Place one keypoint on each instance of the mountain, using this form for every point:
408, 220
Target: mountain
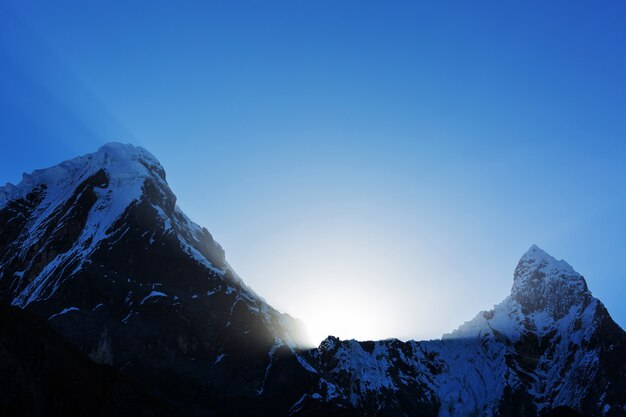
550, 348
97, 248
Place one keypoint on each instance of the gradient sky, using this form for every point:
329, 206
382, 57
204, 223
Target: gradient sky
374, 168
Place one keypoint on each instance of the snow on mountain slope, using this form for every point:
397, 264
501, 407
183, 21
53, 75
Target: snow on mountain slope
119, 171
531, 335
549, 344
120, 176
127, 166
98, 246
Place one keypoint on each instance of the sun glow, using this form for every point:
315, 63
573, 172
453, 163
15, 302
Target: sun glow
346, 310
352, 286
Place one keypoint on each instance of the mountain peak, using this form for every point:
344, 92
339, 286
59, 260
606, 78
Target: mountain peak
535, 252
536, 259
116, 153
119, 147
125, 165
87, 195
542, 282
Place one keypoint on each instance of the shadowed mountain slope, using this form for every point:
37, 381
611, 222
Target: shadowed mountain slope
42, 374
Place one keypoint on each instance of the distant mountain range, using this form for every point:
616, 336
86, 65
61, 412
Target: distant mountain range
115, 303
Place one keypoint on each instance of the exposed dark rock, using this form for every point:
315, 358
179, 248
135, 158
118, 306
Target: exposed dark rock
41, 374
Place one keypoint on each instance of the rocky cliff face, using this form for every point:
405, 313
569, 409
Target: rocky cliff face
98, 248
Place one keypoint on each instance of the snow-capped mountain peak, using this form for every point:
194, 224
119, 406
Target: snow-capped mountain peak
535, 259
60, 215
546, 292
550, 344
125, 165
99, 240
540, 282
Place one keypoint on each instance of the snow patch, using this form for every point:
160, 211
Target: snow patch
64, 311
152, 294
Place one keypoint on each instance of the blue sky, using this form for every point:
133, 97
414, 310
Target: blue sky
374, 168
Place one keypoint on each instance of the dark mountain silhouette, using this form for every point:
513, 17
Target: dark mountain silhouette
42, 374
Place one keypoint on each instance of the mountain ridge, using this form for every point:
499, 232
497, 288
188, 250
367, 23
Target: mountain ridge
98, 247
510, 360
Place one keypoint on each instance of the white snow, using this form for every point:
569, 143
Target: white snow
126, 166
65, 310
152, 295
125, 319
167, 222
277, 344
195, 254
297, 405
368, 371
537, 270
305, 364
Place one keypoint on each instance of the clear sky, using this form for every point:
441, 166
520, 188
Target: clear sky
374, 168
